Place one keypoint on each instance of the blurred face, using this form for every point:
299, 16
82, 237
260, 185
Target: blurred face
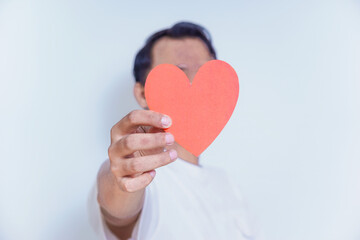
186, 53
189, 54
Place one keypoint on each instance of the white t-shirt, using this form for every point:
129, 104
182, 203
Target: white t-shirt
185, 201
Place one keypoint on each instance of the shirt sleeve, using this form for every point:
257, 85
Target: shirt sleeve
97, 221
95, 217
149, 217
143, 228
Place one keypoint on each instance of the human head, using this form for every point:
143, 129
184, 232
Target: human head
185, 45
143, 59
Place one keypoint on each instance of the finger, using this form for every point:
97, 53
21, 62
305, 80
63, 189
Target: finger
152, 151
139, 141
147, 163
137, 118
149, 129
133, 184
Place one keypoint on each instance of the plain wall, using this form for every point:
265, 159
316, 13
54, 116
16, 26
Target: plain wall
293, 142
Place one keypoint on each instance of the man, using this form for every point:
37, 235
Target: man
185, 200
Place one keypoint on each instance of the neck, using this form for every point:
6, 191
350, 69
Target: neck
186, 155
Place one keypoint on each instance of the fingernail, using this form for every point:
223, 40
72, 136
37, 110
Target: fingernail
169, 139
165, 121
173, 154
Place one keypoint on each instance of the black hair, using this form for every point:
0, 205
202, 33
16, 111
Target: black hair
179, 30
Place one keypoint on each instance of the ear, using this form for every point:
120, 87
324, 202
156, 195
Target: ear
139, 93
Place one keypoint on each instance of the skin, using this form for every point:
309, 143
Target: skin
138, 142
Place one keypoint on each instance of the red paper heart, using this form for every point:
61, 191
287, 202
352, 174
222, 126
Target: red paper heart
199, 111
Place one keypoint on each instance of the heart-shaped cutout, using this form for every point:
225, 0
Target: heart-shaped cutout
199, 111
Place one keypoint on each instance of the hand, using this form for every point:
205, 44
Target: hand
138, 144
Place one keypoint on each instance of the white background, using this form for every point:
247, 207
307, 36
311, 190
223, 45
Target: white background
293, 142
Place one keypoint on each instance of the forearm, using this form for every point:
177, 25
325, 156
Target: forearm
118, 208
